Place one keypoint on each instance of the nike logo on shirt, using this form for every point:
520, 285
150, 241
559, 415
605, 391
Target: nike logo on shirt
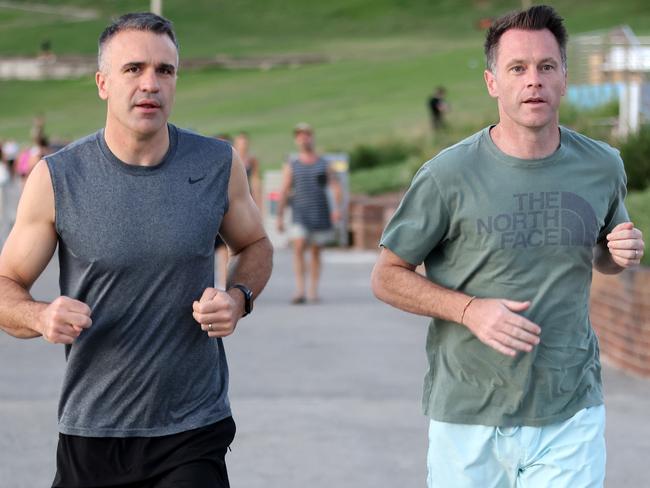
191, 180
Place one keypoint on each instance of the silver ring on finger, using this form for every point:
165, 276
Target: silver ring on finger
636, 253
210, 327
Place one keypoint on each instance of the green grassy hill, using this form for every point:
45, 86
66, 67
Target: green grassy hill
206, 27
348, 101
387, 55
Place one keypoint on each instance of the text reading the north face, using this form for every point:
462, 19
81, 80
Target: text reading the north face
538, 219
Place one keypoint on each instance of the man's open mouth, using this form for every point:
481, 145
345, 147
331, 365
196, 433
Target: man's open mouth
534, 100
148, 104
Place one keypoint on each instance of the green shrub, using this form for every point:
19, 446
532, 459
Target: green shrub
366, 156
597, 123
382, 179
635, 152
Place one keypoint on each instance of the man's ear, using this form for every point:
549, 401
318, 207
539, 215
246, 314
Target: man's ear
491, 83
100, 81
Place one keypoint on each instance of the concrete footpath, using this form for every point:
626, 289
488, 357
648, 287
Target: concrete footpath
324, 395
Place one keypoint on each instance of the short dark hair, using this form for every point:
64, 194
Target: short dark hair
539, 17
142, 21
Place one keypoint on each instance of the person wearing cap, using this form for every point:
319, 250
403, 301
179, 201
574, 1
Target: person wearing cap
509, 224
307, 176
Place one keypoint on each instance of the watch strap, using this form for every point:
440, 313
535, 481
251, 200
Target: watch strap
248, 297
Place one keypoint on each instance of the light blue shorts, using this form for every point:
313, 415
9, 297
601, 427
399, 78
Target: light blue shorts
569, 454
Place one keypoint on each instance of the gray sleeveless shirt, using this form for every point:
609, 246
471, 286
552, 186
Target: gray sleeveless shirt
137, 245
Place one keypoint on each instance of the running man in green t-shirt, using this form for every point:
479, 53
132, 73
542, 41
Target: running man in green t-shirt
509, 223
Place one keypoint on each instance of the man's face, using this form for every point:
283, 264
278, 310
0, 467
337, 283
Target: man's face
529, 80
304, 140
138, 80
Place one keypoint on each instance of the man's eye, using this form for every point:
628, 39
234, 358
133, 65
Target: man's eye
517, 69
547, 67
132, 69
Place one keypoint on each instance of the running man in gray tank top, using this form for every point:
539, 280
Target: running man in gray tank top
307, 177
134, 210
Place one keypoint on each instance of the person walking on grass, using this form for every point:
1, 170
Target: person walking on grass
438, 108
509, 223
134, 210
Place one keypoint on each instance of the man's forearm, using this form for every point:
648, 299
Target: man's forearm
282, 203
18, 310
337, 193
252, 266
496, 322
407, 290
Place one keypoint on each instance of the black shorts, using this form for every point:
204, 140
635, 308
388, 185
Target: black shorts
192, 459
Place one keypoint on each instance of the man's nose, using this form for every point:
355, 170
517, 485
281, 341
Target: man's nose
533, 78
149, 81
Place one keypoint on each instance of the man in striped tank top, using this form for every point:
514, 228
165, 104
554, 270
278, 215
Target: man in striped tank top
306, 177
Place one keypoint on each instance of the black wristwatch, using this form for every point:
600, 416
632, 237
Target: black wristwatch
248, 298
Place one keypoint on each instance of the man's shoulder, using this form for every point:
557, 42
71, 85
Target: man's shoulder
581, 142
77, 145
597, 154
74, 151
194, 139
455, 158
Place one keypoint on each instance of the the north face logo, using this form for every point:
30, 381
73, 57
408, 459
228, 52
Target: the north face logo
543, 219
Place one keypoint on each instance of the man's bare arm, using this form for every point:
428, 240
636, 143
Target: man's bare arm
285, 188
250, 263
337, 195
242, 229
496, 322
25, 255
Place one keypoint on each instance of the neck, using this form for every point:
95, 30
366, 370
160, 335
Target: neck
525, 143
137, 149
307, 154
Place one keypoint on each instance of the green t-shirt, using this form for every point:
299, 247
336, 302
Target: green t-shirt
496, 226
